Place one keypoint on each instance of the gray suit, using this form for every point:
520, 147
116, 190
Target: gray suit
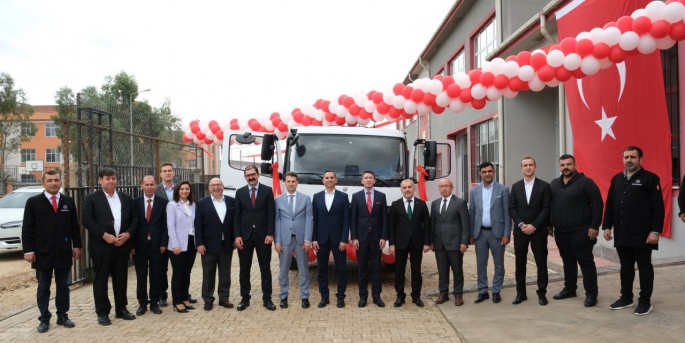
160, 192
450, 231
490, 239
293, 228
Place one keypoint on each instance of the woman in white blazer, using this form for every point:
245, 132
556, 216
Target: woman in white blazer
180, 219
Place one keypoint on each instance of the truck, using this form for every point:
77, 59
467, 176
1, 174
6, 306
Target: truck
349, 151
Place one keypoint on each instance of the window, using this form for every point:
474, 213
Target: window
484, 43
458, 64
669, 65
486, 149
50, 129
192, 163
28, 129
28, 178
28, 155
52, 155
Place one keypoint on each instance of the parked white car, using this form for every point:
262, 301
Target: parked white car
11, 216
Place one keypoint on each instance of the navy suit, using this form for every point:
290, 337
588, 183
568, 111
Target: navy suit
330, 228
369, 228
148, 240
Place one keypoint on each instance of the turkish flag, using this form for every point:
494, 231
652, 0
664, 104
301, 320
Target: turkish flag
620, 106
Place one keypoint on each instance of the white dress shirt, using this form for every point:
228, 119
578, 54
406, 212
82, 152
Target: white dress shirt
115, 206
529, 188
220, 207
329, 198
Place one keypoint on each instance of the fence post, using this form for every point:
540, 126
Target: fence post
65, 153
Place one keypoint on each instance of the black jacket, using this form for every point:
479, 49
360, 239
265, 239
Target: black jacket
98, 219
536, 212
402, 229
157, 227
262, 216
209, 229
635, 207
576, 205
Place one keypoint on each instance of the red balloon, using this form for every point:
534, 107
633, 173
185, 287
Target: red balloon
478, 104
429, 99
609, 24
341, 99
406, 92
523, 58
568, 45
438, 77
208, 141
562, 74
282, 127
487, 78
641, 25
330, 117
316, 122
453, 91
537, 61
383, 108
616, 54
625, 23
340, 120
584, 47
194, 123
501, 81
306, 121
220, 135
186, 139
255, 126
406, 115
678, 31
416, 95
465, 95
394, 113
354, 109
200, 136
437, 109
511, 58
194, 129
324, 105
578, 74
235, 126
348, 101
215, 128
317, 104
398, 88
474, 75
600, 51
212, 123
554, 47
377, 98
633, 52
516, 85
363, 114
546, 73
370, 94
297, 116
233, 121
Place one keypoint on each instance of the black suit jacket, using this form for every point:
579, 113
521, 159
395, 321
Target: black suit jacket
159, 235
49, 235
262, 216
536, 212
98, 219
209, 228
361, 220
402, 229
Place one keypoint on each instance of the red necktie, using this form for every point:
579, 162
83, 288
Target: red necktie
148, 213
252, 197
54, 203
369, 204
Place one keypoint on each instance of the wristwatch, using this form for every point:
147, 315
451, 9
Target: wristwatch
656, 233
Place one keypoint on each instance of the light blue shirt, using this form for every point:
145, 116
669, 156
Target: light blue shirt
169, 192
487, 196
372, 194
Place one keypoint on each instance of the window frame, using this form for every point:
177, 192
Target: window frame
53, 128
23, 153
57, 157
490, 18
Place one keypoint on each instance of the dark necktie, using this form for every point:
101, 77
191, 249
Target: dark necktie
444, 206
252, 197
409, 212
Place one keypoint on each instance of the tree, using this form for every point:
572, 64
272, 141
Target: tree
15, 113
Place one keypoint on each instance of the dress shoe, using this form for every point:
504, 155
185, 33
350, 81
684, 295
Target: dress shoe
104, 320
564, 294
379, 302
399, 302
458, 300
244, 303
590, 300
417, 301
305, 303
284, 303
141, 310
65, 321
269, 305
44, 326
341, 303
125, 315
519, 298
496, 298
481, 297
188, 305
362, 303
192, 300
226, 304
323, 302
208, 306
180, 310
154, 307
163, 303
442, 298
542, 300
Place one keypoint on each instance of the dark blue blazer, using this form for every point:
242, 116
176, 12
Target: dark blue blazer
362, 220
333, 224
159, 235
208, 226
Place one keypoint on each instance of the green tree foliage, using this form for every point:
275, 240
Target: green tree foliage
15, 112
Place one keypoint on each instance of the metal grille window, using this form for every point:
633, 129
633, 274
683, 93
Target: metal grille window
50, 129
669, 65
485, 146
484, 43
458, 63
28, 155
52, 155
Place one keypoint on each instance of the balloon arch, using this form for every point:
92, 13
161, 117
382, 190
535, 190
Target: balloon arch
657, 26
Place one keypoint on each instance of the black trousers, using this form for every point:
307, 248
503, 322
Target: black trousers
450, 260
210, 262
105, 264
369, 253
340, 259
164, 282
643, 257
43, 293
182, 265
538, 244
415, 257
263, 257
148, 262
575, 249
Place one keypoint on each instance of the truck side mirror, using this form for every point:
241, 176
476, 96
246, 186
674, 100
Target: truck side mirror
266, 168
430, 153
245, 138
268, 146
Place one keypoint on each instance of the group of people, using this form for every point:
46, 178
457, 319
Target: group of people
167, 224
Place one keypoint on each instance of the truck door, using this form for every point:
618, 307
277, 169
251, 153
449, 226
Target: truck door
241, 149
445, 163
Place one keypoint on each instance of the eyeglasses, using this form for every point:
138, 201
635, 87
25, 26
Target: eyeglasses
251, 175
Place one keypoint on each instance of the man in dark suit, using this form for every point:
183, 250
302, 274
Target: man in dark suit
214, 239
369, 229
330, 209
410, 235
150, 242
111, 220
165, 190
529, 208
254, 227
51, 238
450, 239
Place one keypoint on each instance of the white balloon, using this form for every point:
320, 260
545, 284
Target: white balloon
655, 10
526, 73
218, 141
364, 122
611, 35
508, 93
333, 106
369, 106
341, 111
553, 83
377, 116
537, 51
350, 120
666, 42
583, 35
589, 65
410, 106
486, 67
318, 115
605, 63
198, 141
360, 98
442, 100
555, 58
225, 126
423, 109
647, 44
242, 124
572, 61
286, 117
267, 124
462, 80
674, 12
629, 41
536, 84
497, 66
640, 12
398, 102
457, 106
292, 124
210, 135
189, 134
493, 93
478, 91
596, 35
511, 69
435, 87
388, 97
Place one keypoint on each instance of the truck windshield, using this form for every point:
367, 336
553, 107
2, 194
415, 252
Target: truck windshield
349, 156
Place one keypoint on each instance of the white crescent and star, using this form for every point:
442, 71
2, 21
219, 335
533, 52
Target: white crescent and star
605, 123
